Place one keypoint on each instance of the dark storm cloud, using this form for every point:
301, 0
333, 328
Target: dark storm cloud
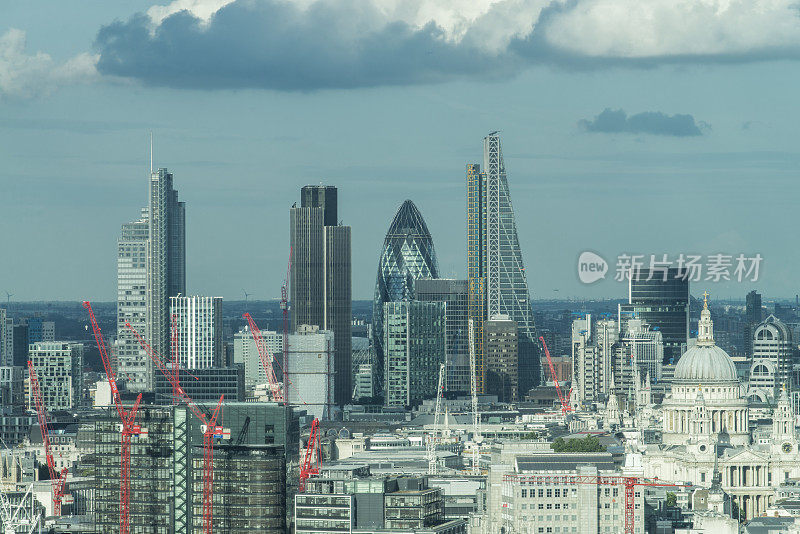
648, 122
275, 45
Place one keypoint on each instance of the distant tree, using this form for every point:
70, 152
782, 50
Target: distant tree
672, 499
588, 444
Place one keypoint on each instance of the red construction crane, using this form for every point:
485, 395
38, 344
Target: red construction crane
628, 483
285, 311
306, 468
129, 429
565, 407
209, 426
57, 480
267, 360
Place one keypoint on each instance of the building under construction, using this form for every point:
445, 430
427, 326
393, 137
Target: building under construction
255, 468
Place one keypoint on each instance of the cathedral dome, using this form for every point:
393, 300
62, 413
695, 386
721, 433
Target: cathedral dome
705, 362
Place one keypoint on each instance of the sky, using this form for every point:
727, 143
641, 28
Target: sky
628, 127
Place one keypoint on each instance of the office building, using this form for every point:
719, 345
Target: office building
320, 277
753, 317
774, 355
640, 350
12, 388
455, 295
59, 368
246, 354
255, 470
312, 375
407, 255
552, 492
350, 499
364, 384
204, 385
19, 345
198, 323
166, 259
414, 345
5, 338
132, 362
661, 299
500, 349
40, 330
496, 273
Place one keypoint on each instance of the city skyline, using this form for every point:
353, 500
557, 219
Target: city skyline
76, 158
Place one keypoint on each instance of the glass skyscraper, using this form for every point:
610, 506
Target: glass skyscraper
495, 270
407, 255
661, 299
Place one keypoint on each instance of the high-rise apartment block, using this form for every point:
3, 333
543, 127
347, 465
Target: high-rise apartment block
496, 273
660, 297
166, 258
320, 276
132, 362
414, 344
455, 295
501, 346
59, 368
407, 255
198, 324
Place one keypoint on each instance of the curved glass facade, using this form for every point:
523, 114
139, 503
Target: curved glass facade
407, 255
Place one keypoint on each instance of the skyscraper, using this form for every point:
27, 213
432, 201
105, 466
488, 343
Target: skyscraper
501, 346
496, 272
414, 343
407, 255
320, 279
166, 258
661, 299
455, 295
131, 361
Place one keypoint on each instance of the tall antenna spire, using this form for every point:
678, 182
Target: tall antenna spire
151, 151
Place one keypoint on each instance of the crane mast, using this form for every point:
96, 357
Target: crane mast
57, 480
431, 444
565, 407
129, 429
209, 427
267, 360
476, 421
306, 468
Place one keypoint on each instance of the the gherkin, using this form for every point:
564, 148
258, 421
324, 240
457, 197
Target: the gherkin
407, 255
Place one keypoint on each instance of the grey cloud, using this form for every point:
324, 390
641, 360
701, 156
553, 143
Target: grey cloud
648, 122
275, 45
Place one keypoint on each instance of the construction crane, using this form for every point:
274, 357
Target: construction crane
209, 428
310, 466
629, 485
476, 420
128, 430
267, 361
431, 444
565, 407
56, 480
285, 312
20, 517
